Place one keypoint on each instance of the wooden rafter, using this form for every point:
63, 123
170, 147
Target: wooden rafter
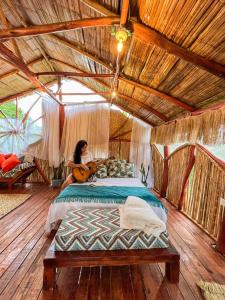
123, 78
120, 55
124, 12
150, 36
57, 27
77, 74
83, 94
129, 99
9, 55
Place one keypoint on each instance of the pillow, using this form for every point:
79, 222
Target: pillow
121, 169
10, 163
2, 159
7, 155
101, 171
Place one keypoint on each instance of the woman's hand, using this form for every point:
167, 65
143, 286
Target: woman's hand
84, 167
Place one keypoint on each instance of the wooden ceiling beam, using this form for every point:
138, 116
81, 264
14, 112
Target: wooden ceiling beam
20, 65
57, 27
150, 36
123, 78
124, 12
150, 109
78, 74
83, 94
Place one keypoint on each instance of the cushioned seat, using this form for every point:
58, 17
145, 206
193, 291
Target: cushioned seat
98, 229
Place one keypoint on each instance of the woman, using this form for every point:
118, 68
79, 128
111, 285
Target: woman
79, 159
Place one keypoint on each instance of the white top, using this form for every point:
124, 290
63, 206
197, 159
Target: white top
84, 158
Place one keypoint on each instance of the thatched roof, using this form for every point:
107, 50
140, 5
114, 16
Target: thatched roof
173, 63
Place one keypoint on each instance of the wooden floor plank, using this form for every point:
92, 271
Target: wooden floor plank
23, 244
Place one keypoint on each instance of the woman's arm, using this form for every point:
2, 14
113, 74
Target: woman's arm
72, 165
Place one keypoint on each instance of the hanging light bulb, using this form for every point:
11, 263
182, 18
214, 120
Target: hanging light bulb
120, 46
114, 94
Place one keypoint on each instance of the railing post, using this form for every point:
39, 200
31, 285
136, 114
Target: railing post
165, 172
220, 244
186, 176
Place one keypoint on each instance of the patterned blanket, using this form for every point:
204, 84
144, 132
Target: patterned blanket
14, 172
98, 229
106, 194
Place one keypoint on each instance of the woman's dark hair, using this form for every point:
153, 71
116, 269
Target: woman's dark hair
77, 152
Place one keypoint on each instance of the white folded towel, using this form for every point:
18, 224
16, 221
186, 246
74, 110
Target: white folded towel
137, 214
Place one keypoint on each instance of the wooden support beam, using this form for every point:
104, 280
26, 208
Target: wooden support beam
57, 27
81, 74
123, 78
83, 94
124, 12
119, 135
220, 244
150, 36
165, 172
20, 65
186, 176
61, 121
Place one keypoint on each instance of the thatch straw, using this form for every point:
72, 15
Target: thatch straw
208, 128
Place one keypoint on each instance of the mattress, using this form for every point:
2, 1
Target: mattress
60, 206
98, 229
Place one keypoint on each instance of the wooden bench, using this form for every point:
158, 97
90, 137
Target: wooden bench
58, 259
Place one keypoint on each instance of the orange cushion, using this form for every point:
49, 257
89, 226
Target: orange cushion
7, 155
2, 159
10, 163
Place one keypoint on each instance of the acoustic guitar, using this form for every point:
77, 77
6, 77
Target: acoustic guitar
82, 175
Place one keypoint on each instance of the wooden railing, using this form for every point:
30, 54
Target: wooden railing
195, 185
157, 159
207, 187
177, 165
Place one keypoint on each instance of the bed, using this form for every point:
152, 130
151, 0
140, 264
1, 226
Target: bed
105, 193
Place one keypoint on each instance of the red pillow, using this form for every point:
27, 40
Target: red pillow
8, 155
10, 163
2, 159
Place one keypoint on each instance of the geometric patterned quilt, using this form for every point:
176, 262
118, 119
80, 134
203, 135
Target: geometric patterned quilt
98, 229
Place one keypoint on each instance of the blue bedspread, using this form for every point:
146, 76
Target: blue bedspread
106, 194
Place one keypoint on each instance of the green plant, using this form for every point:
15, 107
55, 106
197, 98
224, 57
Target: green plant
58, 172
144, 174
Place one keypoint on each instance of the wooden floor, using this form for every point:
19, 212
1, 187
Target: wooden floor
23, 244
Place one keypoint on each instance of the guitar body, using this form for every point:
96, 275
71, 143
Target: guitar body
82, 175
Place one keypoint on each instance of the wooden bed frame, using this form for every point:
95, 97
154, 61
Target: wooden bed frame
57, 259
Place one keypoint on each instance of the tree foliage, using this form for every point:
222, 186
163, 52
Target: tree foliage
9, 108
